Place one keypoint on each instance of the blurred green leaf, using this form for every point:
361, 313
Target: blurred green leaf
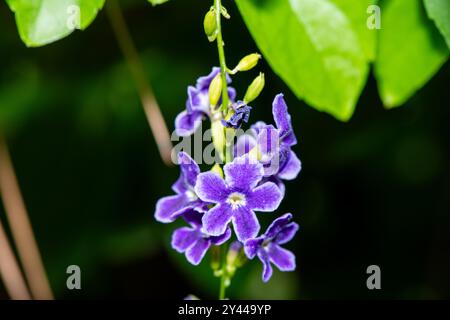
356, 13
156, 2
313, 47
44, 21
439, 11
410, 51
134, 241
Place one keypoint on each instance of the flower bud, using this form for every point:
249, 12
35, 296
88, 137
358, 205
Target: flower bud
215, 90
215, 258
210, 25
218, 135
224, 12
217, 169
247, 63
255, 88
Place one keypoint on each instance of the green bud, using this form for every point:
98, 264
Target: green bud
215, 258
255, 88
247, 63
217, 169
215, 90
210, 25
224, 12
218, 135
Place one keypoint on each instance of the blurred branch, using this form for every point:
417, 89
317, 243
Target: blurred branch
21, 227
148, 100
10, 271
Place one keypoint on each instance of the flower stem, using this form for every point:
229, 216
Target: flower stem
21, 228
225, 102
223, 65
222, 282
151, 108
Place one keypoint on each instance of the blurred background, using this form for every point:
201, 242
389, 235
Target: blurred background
375, 190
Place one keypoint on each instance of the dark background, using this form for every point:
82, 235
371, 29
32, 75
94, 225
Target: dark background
374, 190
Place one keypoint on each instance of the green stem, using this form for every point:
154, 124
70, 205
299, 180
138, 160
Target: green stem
225, 102
223, 65
222, 282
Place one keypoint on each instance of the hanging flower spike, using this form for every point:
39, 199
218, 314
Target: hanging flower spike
267, 247
170, 207
197, 105
193, 241
241, 114
236, 198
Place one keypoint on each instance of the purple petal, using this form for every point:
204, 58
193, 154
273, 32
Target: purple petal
277, 225
204, 81
169, 208
215, 221
258, 126
244, 144
231, 93
267, 268
266, 197
245, 224
180, 186
189, 168
210, 187
196, 252
277, 181
222, 238
268, 141
291, 168
287, 233
187, 123
183, 238
283, 120
252, 246
198, 100
194, 218
282, 258
243, 172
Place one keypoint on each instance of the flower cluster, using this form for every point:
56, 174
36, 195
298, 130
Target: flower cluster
217, 202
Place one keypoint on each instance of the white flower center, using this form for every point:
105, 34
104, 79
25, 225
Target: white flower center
190, 194
236, 200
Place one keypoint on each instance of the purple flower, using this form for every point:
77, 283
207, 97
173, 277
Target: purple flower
241, 114
274, 143
236, 198
268, 249
193, 241
197, 104
170, 207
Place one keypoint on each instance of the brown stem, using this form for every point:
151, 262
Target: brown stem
148, 100
10, 271
21, 229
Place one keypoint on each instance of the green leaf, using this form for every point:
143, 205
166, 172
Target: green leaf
439, 11
156, 2
356, 12
410, 51
313, 47
44, 21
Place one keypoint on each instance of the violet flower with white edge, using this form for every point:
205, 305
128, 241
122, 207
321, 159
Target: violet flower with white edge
274, 144
267, 247
193, 241
197, 104
236, 198
170, 207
